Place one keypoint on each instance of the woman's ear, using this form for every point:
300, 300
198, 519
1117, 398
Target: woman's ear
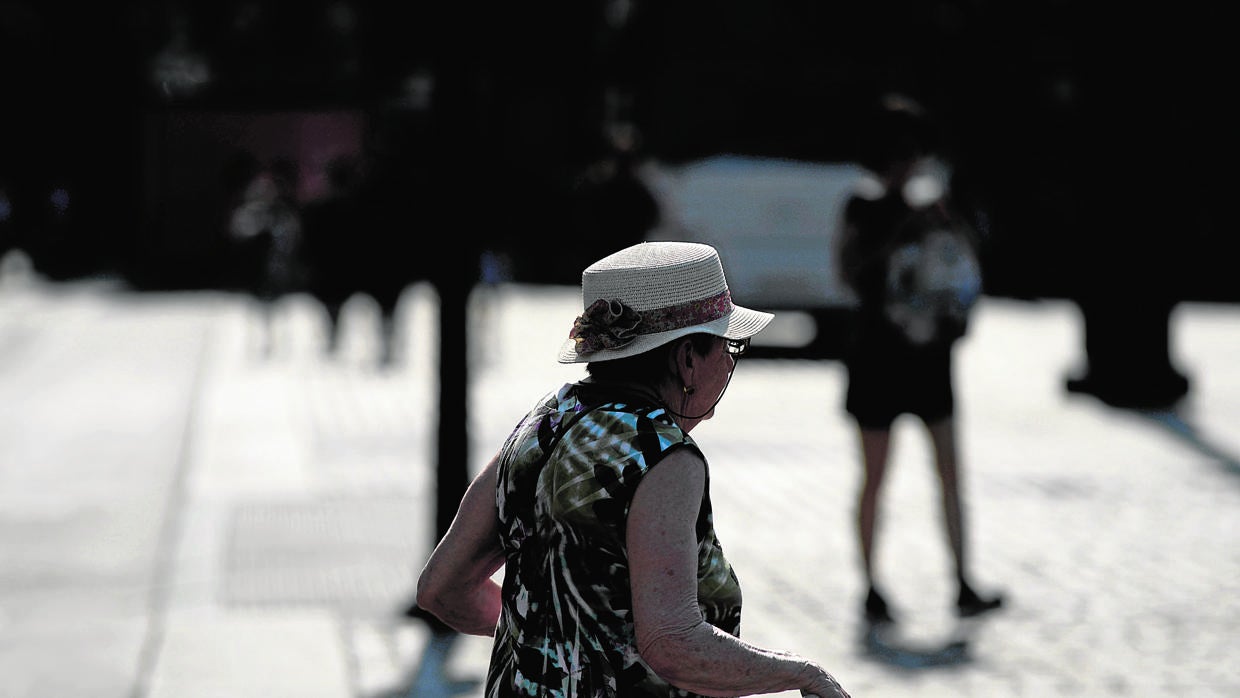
680, 357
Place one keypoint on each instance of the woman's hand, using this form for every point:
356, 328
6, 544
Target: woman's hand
822, 684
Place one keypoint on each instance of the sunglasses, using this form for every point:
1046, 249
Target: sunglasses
736, 347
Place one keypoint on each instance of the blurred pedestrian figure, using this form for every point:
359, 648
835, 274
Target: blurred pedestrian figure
265, 229
899, 358
359, 241
386, 285
395, 222
611, 202
8, 235
332, 244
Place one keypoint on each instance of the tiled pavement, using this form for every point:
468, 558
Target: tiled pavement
181, 518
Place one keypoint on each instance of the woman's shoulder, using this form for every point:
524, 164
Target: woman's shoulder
632, 433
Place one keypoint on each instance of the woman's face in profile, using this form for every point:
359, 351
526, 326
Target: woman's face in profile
713, 376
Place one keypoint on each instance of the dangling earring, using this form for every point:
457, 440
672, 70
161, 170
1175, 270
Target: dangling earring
686, 391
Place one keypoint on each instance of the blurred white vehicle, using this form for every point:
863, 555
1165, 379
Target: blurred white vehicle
773, 222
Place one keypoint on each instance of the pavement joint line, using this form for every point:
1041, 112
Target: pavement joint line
163, 574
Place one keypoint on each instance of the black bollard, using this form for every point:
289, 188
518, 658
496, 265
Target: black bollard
1127, 347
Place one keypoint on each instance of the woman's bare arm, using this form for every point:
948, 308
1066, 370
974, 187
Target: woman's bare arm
456, 583
672, 636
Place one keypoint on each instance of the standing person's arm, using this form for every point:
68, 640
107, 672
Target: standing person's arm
846, 250
456, 583
672, 635
860, 249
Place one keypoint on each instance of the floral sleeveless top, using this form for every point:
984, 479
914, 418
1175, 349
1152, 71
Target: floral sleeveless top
566, 478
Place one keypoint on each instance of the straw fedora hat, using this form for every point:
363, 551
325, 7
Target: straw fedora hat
649, 294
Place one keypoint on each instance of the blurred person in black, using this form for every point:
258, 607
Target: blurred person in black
331, 228
612, 199
608, 199
888, 374
400, 214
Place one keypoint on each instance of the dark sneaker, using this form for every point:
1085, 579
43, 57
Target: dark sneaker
876, 610
969, 604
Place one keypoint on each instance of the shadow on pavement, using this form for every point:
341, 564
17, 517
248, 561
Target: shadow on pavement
884, 642
430, 678
1180, 426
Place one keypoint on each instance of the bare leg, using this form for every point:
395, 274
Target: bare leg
943, 435
267, 322
875, 444
390, 330
388, 337
334, 309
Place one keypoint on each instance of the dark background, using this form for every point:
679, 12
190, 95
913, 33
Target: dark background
1099, 145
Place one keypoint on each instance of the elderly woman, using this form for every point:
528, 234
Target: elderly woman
598, 505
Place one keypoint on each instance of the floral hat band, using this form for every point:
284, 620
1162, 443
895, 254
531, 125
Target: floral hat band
610, 324
649, 294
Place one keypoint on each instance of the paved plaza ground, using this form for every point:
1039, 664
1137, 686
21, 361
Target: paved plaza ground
181, 517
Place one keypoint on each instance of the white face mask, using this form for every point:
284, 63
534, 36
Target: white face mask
926, 184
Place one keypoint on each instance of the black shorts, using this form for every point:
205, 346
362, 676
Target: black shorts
887, 378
